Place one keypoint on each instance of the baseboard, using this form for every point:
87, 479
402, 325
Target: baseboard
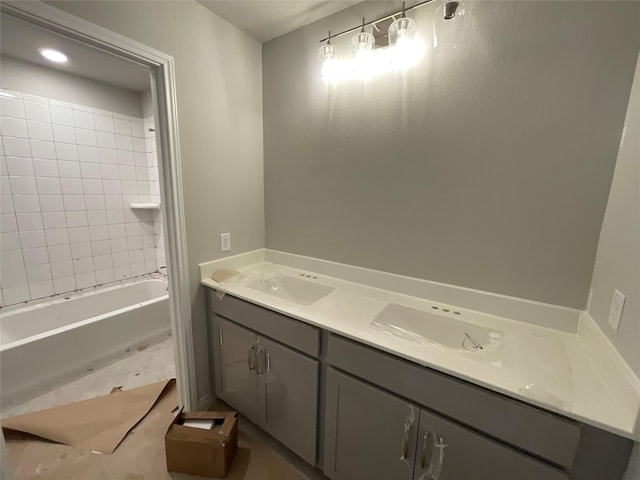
206, 401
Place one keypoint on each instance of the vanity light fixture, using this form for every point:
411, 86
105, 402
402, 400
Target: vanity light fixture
52, 55
404, 50
402, 30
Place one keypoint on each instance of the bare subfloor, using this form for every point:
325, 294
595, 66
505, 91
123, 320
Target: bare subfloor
141, 454
149, 365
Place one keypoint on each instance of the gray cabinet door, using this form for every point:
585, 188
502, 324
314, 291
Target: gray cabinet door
238, 380
448, 451
369, 434
289, 383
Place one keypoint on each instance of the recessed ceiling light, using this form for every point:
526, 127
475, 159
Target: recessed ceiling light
53, 55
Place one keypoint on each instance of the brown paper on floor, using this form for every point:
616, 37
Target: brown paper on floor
141, 456
98, 424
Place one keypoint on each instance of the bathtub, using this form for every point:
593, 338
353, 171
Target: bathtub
49, 343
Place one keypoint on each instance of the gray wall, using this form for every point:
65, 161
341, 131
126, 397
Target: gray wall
488, 167
218, 76
618, 258
51, 83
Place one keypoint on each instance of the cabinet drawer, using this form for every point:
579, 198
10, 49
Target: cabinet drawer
294, 333
541, 433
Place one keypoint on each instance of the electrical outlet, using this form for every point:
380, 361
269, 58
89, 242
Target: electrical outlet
617, 305
225, 242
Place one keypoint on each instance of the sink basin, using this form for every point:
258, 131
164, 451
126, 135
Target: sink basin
430, 328
302, 292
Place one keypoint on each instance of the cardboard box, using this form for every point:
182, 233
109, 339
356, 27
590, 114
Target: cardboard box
198, 450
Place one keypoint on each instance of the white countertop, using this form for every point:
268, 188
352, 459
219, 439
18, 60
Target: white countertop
575, 374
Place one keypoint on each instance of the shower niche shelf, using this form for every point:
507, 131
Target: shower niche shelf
145, 205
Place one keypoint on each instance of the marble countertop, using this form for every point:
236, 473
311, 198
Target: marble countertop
559, 371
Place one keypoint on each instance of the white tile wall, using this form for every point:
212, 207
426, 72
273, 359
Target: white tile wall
68, 175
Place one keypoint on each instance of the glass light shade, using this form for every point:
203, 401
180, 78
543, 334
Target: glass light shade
447, 26
363, 41
327, 51
402, 30
330, 66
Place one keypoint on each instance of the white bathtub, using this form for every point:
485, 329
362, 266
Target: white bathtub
46, 344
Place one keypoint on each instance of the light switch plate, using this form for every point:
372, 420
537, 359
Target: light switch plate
617, 306
225, 242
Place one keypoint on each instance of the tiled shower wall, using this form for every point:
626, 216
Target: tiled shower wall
69, 174
154, 178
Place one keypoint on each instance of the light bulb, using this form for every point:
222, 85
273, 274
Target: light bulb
363, 41
327, 51
330, 70
330, 66
403, 28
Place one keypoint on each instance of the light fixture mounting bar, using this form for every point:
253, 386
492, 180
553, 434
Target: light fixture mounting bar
419, 4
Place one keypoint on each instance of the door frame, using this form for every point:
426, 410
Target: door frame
163, 92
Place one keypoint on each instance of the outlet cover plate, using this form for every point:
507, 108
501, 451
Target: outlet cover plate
617, 306
225, 242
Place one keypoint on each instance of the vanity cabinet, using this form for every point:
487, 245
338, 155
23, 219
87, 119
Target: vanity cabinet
372, 434
360, 413
272, 385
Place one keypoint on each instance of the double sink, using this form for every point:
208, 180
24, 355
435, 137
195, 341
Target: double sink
432, 328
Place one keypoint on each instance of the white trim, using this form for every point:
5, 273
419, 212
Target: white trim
163, 92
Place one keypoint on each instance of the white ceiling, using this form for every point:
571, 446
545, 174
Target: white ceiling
266, 19
21, 40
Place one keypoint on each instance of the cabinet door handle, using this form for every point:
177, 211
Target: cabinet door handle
220, 337
251, 359
424, 460
432, 465
405, 439
262, 361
